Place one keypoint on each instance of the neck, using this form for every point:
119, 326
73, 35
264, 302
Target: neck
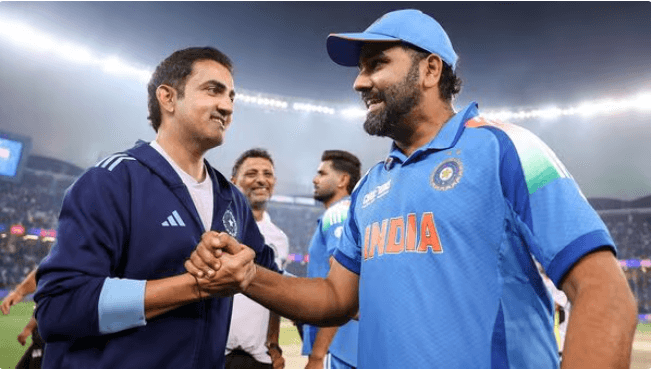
258, 213
185, 156
334, 199
424, 124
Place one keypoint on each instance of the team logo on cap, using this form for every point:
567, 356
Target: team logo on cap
230, 225
447, 174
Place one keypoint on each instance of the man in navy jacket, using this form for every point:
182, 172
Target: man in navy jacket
113, 292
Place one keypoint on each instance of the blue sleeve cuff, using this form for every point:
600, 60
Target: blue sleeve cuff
347, 262
573, 252
121, 305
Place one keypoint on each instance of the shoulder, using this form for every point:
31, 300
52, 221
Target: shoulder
108, 172
524, 152
336, 214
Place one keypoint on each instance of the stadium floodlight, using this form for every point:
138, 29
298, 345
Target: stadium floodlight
642, 101
25, 36
306, 107
353, 112
115, 66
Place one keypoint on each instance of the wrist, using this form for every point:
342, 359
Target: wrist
275, 347
316, 356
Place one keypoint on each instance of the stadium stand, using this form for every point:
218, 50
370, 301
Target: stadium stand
28, 215
29, 211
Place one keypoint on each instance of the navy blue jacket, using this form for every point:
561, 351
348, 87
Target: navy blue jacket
112, 224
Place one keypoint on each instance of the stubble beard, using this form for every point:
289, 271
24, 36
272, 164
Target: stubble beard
399, 100
323, 197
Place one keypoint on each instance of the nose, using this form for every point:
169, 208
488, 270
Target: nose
225, 107
315, 180
362, 82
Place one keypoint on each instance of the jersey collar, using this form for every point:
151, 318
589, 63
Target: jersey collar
445, 139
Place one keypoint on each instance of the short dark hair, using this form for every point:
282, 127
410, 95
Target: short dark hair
344, 161
449, 84
251, 153
174, 71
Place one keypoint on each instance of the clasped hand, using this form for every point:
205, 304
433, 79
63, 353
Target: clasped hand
221, 265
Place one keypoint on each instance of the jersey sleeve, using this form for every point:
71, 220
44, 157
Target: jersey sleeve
332, 225
93, 226
348, 251
555, 217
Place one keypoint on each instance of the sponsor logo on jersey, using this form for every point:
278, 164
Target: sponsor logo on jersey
447, 174
378, 192
402, 235
230, 225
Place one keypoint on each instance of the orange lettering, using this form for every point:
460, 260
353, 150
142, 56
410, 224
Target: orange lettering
428, 235
366, 239
378, 238
410, 233
393, 245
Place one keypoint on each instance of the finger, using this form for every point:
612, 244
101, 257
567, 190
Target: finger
207, 256
229, 244
5, 308
192, 269
200, 264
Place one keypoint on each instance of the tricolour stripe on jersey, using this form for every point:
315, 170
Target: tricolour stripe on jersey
335, 214
539, 164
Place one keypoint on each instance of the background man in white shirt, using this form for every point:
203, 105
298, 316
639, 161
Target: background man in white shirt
253, 337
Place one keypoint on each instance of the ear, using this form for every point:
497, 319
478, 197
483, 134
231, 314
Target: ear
344, 179
433, 70
166, 96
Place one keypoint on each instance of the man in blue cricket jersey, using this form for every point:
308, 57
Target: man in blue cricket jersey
113, 292
333, 347
438, 248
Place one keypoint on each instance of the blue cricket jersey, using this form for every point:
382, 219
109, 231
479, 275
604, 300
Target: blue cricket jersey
443, 241
322, 246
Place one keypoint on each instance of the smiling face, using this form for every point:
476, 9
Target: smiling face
205, 110
388, 81
256, 179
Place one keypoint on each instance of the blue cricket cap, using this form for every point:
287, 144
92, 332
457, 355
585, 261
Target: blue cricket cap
408, 25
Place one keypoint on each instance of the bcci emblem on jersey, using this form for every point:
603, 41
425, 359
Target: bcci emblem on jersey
230, 225
447, 174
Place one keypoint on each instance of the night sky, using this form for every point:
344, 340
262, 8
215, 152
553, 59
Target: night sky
516, 56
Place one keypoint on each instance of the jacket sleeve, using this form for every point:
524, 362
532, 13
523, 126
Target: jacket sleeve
93, 227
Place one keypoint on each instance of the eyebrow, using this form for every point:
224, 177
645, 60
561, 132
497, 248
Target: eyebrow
222, 86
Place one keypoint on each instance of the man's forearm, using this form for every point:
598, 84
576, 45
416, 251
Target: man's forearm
167, 294
603, 319
28, 285
307, 300
599, 321
322, 342
273, 332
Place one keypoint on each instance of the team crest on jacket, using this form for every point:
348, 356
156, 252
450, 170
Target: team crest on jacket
447, 174
230, 225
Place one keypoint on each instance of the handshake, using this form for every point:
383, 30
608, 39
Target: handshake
221, 265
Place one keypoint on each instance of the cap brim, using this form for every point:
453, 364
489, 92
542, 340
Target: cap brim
344, 48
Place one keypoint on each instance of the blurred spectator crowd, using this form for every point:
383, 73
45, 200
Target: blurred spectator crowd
34, 203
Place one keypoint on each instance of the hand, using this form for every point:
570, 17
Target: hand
11, 299
206, 256
234, 274
22, 337
277, 359
314, 362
